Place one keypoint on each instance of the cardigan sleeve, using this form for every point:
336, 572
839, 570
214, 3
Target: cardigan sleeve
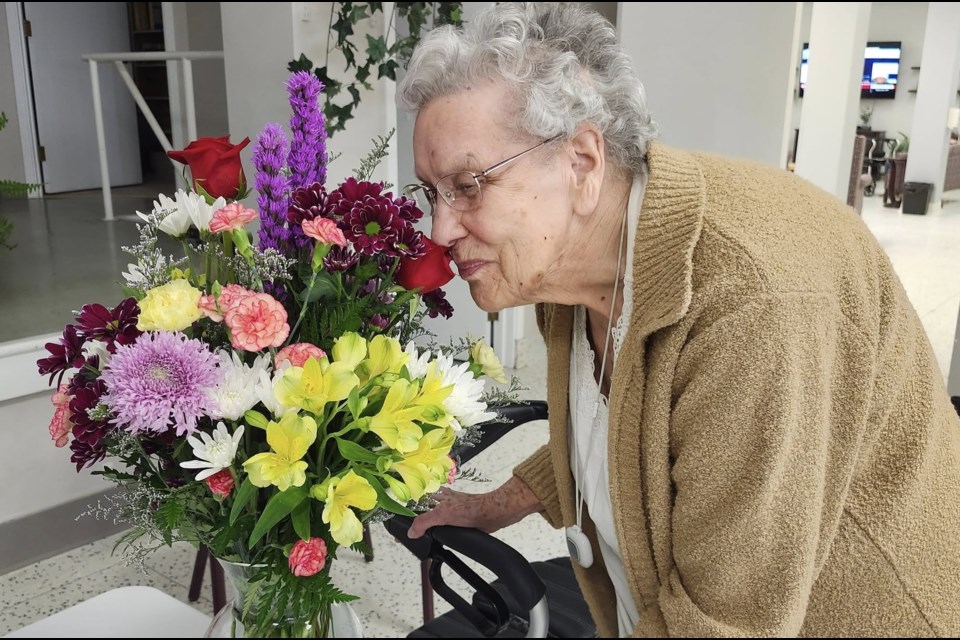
753, 469
537, 473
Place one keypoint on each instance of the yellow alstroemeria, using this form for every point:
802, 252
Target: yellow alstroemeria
315, 384
289, 439
350, 349
395, 422
432, 394
339, 495
386, 355
426, 468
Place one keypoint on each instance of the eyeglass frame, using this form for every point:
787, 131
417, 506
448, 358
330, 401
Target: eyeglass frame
431, 192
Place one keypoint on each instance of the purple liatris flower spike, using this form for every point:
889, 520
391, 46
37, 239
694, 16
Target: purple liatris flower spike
308, 150
269, 157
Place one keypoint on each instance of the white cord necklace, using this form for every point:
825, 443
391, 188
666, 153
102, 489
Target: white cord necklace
578, 544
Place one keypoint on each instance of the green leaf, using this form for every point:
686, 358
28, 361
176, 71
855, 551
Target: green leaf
355, 403
388, 69
130, 292
358, 13
354, 92
325, 286
278, 508
301, 520
240, 500
302, 63
383, 499
362, 74
376, 48
355, 453
366, 270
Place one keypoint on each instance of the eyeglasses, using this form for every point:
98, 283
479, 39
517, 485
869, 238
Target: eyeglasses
460, 190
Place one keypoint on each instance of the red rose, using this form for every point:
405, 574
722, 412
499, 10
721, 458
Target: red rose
221, 483
429, 272
215, 165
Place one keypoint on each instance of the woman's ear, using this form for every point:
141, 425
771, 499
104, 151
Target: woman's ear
588, 166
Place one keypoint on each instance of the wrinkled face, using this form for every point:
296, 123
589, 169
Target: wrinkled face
507, 248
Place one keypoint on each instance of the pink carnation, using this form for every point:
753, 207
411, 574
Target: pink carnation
308, 558
61, 424
221, 483
214, 308
297, 354
256, 322
233, 216
324, 230
452, 475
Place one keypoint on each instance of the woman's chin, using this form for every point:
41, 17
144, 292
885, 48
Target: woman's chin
486, 298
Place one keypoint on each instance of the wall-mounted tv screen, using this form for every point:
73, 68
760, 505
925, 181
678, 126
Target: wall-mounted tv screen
881, 69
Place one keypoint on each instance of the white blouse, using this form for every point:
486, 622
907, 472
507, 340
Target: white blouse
588, 434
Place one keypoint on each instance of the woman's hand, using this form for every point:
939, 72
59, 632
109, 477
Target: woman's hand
508, 504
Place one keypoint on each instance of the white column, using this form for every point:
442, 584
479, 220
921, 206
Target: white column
717, 74
258, 42
838, 38
936, 93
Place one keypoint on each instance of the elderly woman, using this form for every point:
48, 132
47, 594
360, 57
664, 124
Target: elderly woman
778, 454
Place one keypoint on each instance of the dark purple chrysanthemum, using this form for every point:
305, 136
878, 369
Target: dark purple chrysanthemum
408, 209
67, 354
340, 259
380, 322
341, 200
88, 432
409, 242
163, 380
86, 454
307, 203
112, 327
269, 158
437, 305
372, 226
308, 150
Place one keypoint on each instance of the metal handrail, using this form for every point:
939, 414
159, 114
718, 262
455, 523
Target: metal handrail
119, 59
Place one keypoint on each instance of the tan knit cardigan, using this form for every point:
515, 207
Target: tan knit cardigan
784, 459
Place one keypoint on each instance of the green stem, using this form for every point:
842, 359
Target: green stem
303, 310
189, 254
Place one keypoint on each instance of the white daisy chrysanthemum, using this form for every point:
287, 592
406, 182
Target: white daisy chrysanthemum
464, 402
417, 363
214, 453
188, 208
238, 392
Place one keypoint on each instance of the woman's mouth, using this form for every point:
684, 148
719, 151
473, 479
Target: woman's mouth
470, 267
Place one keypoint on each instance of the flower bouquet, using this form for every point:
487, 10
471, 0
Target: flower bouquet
262, 396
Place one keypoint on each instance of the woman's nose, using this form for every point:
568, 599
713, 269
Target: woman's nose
447, 225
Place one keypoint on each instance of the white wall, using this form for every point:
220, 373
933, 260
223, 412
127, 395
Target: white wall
36, 475
11, 153
257, 45
256, 77
377, 112
889, 21
716, 74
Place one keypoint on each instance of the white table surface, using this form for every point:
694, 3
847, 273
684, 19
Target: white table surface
127, 612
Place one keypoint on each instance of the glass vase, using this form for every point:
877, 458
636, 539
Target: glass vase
334, 621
